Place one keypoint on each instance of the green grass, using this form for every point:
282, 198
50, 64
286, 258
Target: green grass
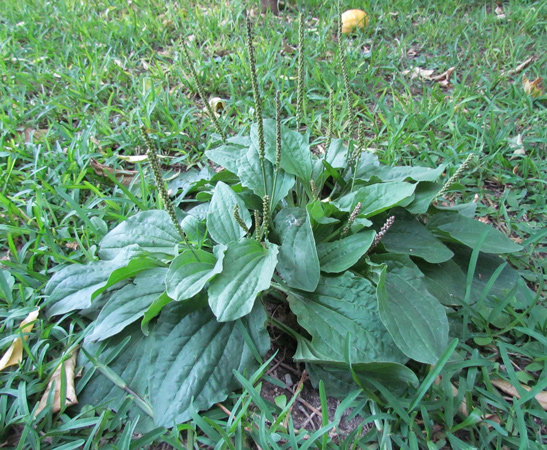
80, 78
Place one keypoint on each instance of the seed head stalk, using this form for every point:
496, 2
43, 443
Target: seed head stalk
154, 163
456, 175
277, 145
342, 54
300, 86
330, 126
257, 101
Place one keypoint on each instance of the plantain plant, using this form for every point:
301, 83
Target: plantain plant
373, 269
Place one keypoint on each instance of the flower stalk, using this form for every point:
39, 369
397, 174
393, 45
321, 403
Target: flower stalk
457, 175
239, 219
382, 233
345, 75
300, 84
351, 219
330, 126
154, 163
257, 101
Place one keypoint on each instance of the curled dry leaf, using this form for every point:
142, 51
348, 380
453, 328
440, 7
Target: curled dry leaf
218, 105
125, 177
520, 67
133, 159
500, 13
14, 354
70, 397
508, 388
443, 79
517, 145
533, 88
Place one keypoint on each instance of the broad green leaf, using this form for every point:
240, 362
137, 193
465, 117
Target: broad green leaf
337, 256
221, 223
186, 182
446, 281
424, 194
390, 374
339, 380
72, 287
227, 155
129, 304
414, 318
376, 197
133, 268
319, 211
194, 356
190, 271
251, 176
153, 311
129, 363
297, 261
295, 149
152, 230
506, 281
335, 174
468, 231
248, 269
341, 305
194, 228
402, 173
409, 237
336, 154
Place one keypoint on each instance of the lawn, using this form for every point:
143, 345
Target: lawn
88, 88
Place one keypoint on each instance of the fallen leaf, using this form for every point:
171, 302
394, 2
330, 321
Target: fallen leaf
30, 134
509, 389
418, 72
70, 396
218, 105
500, 13
125, 177
533, 88
520, 67
426, 74
517, 145
14, 354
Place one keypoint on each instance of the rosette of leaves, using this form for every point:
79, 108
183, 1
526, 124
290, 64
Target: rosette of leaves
174, 319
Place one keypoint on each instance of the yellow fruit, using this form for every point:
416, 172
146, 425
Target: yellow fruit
352, 19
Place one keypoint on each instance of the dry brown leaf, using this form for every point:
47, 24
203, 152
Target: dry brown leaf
500, 13
14, 354
533, 88
418, 72
70, 399
125, 177
520, 67
426, 74
518, 146
445, 76
217, 105
509, 389
29, 134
